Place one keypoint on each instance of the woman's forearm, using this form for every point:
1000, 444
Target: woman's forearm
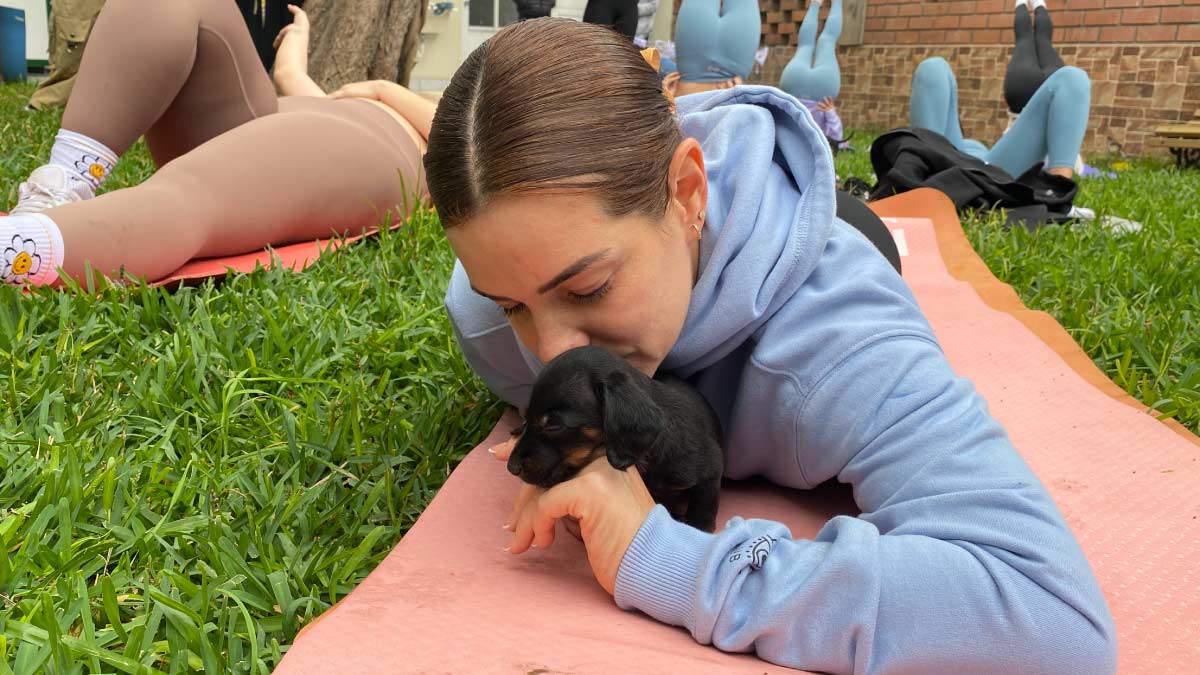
295, 83
291, 59
415, 108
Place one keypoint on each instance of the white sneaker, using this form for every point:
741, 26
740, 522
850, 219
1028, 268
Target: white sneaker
1080, 213
1119, 225
49, 186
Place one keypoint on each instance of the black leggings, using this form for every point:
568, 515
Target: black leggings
864, 220
622, 15
1033, 59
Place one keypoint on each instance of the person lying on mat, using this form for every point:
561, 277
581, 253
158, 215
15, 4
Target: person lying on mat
704, 243
1050, 122
813, 75
240, 168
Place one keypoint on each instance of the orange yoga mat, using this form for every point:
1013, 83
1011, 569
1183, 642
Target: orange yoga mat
448, 600
295, 257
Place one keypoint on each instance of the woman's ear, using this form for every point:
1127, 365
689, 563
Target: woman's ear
688, 184
671, 84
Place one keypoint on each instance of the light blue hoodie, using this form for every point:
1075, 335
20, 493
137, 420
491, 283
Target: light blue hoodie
821, 366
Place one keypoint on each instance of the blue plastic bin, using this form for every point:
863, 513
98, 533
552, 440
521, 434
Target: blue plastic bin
12, 44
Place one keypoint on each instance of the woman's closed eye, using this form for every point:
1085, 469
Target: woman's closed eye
593, 296
581, 298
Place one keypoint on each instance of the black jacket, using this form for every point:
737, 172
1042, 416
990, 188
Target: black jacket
532, 9
906, 159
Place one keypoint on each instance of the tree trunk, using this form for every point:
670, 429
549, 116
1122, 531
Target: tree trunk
355, 40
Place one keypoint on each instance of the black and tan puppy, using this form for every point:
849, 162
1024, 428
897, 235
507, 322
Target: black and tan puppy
588, 403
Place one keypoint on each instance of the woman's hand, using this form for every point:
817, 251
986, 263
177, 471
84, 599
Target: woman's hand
371, 89
826, 105
610, 505
298, 27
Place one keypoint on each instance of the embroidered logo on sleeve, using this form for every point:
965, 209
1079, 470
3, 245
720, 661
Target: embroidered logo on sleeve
756, 551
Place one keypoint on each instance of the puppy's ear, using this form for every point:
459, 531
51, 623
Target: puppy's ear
632, 420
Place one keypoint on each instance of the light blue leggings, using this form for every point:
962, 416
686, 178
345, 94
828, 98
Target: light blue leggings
813, 72
1050, 127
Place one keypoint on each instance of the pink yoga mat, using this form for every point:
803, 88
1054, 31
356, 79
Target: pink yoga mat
448, 600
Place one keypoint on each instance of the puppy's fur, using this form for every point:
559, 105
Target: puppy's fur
587, 403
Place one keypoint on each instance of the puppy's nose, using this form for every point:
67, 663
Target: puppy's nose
514, 464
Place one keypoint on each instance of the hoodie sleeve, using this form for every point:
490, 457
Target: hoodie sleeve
488, 342
960, 561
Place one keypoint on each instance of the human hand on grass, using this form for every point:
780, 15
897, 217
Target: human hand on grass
298, 27
610, 505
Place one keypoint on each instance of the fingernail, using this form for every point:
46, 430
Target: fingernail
506, 549
506, 527
492, 450
533, 546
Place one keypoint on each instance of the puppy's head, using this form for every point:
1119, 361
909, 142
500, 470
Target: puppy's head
585, 403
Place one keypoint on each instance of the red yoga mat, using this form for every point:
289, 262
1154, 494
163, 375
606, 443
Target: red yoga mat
295, 257
448, 600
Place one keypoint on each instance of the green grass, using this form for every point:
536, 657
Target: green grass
1132, 300
187, 478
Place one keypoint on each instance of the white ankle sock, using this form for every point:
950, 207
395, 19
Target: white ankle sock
31, 250
84, 158
1034, 4
1021, 2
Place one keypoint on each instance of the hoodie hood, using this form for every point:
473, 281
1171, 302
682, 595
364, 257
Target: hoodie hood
771, 207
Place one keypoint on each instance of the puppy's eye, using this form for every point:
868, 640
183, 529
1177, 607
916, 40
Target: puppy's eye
552, 428
518, 431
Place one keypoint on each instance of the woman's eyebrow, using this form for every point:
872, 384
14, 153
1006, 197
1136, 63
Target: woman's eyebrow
579, 266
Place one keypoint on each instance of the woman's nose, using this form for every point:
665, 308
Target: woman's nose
556, 337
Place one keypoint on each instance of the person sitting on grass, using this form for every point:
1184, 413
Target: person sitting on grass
813, 75
699, 238
239, 167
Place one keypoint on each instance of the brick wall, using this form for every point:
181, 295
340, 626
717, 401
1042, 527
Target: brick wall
1143, 57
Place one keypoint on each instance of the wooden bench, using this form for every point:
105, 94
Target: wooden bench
1183, 140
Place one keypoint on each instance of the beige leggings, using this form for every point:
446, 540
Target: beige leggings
239, 168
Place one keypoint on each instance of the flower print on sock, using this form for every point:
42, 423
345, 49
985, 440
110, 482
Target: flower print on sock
21, 260
90, 166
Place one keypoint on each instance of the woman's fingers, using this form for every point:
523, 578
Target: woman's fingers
358, 90
279, 38
522, 536
523, 527
543, 532
527, 495
503, 450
